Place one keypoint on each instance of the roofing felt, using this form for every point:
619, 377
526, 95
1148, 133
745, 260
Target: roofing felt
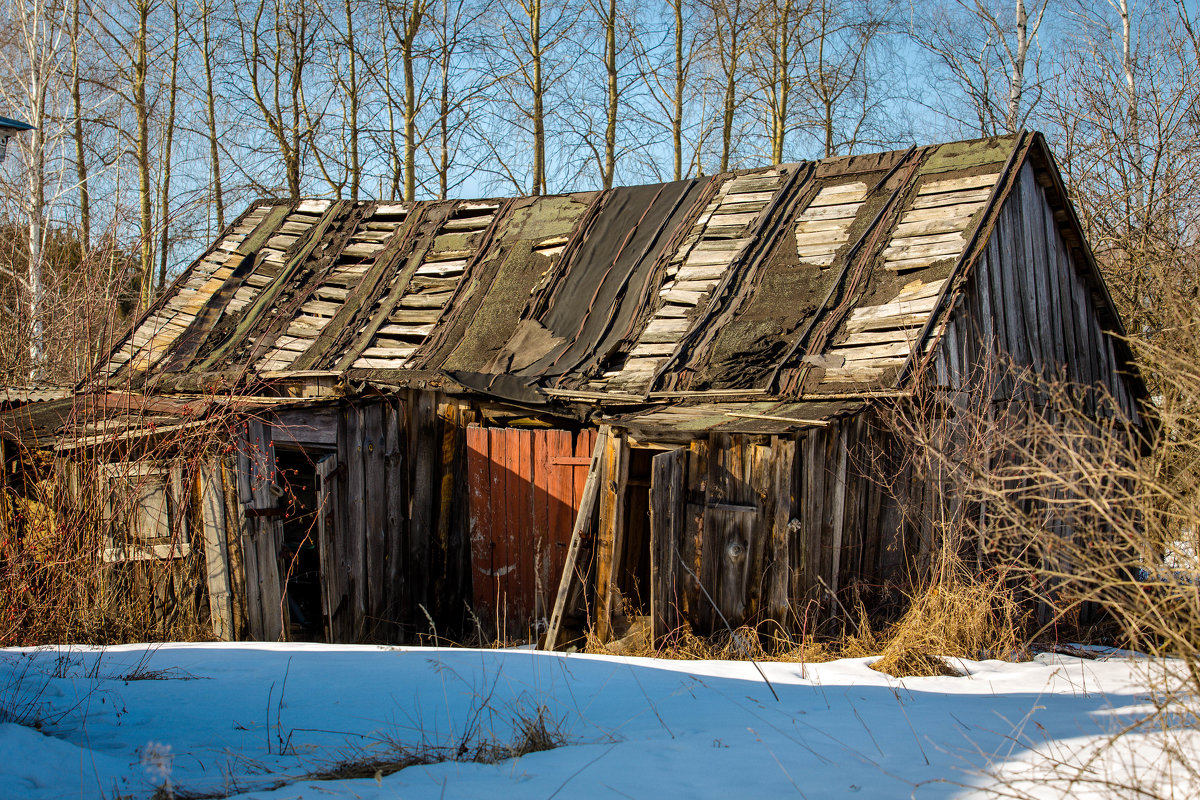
816, 280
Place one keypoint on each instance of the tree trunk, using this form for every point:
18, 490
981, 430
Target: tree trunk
610, 68
214, 149
539, 92
81, 170
677, 99
141, 111
167, 152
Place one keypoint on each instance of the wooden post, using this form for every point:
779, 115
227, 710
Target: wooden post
610, 537
216, 556
327, 534
582, 519
667, 495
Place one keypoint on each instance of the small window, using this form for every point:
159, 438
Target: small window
146, 512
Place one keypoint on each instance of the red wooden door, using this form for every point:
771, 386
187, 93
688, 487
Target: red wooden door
525, 489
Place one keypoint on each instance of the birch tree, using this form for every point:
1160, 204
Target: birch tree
990, 55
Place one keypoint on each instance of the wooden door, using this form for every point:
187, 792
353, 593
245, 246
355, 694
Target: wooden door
525, 487
262, 535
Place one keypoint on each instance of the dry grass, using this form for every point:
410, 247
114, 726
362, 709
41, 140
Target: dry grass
534, 731
960, 618
955, 617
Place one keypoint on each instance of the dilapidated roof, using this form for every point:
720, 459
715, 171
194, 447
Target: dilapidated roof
817, 282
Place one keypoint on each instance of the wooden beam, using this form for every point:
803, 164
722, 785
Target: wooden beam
216, 557
610, 537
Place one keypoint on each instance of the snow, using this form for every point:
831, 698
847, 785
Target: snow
259, 720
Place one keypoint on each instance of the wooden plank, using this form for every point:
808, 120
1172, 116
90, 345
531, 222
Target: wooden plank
513, 539
561, 505
216, 557
480, 515
425, 456
946, 249
610, 536
873, 351
845, 211
958, 184
326, 513
908, 335
666, 529
374, 521
398, 572
354, 548
952, 198
838, 520
544, 544
815, 225
893, 308
498, 546
587, 502
832, 237
664, 330
775, 604
523, 534
713, 272
930, 227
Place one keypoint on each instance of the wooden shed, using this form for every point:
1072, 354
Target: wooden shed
487, 417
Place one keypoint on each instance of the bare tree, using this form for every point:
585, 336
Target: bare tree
459, 36
1123, 116
407, 19
838, 89
168, 149
32, 64
207, 46
278, 42
778, 44
990, 55
666, 67
81, 167
526, 59
732, 21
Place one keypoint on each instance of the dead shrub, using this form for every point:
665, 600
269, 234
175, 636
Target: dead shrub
977, 620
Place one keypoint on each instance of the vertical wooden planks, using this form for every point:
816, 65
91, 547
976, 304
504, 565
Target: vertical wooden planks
558, 447
667, 492
332, 589
527, 544
338, 571
397, 572
591, 490
837, 510
212, 522
235, 537
446, 579
498, 546
782, 487
545, 546
513, 484
353, 558
609, 537
267, 532
424, 454
374, 520
479, 477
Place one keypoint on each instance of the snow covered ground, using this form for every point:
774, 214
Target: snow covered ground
258, 720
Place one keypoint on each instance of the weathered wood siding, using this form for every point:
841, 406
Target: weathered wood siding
390, 528
394, 547
786, 528
1028, 304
